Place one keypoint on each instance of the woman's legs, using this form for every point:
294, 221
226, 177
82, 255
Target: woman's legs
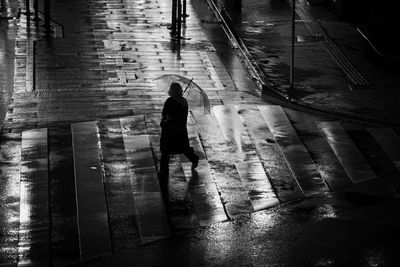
163, 176
164, 163
194, 159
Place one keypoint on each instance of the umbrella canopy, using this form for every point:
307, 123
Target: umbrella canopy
194, 94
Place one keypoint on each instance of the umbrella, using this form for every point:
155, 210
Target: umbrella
194, 94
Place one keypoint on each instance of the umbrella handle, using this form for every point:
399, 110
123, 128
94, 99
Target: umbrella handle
187, 85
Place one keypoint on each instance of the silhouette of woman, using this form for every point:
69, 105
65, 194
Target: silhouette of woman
174, 136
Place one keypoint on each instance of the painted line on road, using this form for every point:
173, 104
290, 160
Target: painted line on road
149, 205
389, 141
346, 151
34, 235
269, 153
203, 190
296, 154
222, 163
93, 228
117, 171
261, 193
247, 163
328, 165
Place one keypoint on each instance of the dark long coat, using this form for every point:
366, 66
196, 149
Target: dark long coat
174, 136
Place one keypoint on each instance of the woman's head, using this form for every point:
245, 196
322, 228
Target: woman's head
175, 90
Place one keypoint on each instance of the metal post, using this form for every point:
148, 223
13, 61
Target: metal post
173, 16
237, 6
47, 16
179, 28
293, 42
184, 9
36, 7
27, 7
34, 67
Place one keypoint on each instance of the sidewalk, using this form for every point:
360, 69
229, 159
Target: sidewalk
333, 71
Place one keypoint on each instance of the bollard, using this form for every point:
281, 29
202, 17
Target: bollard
291, 82
27, 8
173, 16
185, 15
179, 22
36, 7
237, 6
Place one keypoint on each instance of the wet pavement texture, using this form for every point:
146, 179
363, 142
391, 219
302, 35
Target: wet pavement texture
8, 29
271, 181
334, 70
324, 231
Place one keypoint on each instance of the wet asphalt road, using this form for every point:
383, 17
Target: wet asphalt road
342, 230
329, 187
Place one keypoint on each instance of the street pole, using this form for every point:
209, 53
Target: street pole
293, 42
47, 16
36, 7
184, 15
179, 22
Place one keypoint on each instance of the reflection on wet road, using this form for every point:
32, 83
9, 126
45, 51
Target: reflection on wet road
8, 30
33, 245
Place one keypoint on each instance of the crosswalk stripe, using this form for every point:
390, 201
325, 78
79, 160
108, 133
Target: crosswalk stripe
33, 246
133, 125
228, 181
387, 182
345, 150
180, 208
274, 163
389, 141
180, 190
293, 149
138, 151
248, 164
194, 137
64, 224
117, 174
256, 182
149, 205
206, 199
90, 195
329, 167
9, 208
232, 129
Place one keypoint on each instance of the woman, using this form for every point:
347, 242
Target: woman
174, 136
